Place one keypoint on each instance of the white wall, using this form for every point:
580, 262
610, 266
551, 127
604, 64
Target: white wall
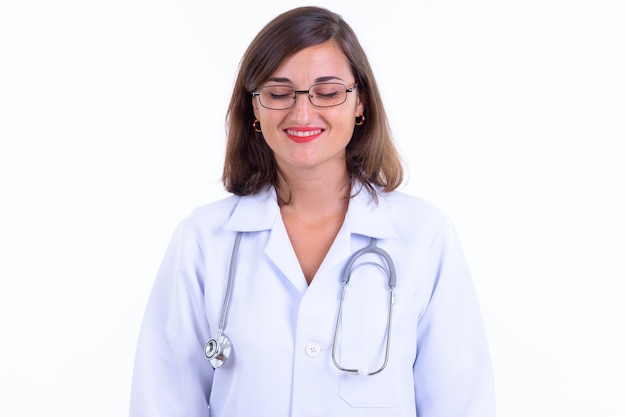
510, 115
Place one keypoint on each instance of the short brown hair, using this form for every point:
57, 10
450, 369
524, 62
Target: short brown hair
371, 156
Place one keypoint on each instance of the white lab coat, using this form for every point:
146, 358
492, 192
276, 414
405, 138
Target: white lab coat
282, 329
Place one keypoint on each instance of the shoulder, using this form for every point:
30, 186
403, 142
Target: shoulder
412, 206
414, 215
401, 200
253, 212
204, 226
215, 213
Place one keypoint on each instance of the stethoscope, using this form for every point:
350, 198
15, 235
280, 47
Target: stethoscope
217, 350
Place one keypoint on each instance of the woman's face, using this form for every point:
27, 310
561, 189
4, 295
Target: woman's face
306, 137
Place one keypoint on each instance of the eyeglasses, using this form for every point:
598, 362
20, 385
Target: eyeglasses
283, 97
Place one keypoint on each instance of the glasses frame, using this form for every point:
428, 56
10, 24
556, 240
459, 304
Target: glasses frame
257, 93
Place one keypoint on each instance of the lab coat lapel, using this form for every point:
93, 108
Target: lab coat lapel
260, 212
281, 253
364, 218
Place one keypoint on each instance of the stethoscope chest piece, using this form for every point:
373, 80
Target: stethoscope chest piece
217, 351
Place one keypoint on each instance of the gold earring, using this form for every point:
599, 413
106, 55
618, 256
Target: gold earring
256, 125
360, 119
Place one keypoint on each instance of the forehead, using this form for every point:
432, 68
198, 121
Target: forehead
322, 61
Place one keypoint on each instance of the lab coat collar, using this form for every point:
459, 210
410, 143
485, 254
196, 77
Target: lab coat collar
369, 218
364, 217
261, 212
255, 212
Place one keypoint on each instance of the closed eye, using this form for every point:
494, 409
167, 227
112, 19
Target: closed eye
280, 96
328, 95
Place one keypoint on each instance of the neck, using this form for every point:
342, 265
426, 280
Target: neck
313, 194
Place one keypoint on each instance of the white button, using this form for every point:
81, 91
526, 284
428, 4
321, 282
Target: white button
313, 350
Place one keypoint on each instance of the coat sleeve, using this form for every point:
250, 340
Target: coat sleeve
171, 377
453, 373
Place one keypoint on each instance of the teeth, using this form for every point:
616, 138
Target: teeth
304, 134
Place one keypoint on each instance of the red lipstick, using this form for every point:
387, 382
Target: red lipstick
303, 134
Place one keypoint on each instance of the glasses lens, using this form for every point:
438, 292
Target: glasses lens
328, 94
277, 97
281, 97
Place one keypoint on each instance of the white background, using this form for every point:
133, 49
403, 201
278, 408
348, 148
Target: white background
510, 116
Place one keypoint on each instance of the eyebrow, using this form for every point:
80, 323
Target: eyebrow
317, 80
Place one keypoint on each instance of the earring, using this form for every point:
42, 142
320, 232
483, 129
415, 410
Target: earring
360, 119
256, 125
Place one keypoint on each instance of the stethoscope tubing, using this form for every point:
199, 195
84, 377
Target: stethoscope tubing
218, 349
345, 278
229, 285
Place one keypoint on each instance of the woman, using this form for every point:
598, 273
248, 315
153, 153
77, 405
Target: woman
313, 169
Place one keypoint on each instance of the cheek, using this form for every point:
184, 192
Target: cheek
270, 121
345, 130
348, 122
266, 117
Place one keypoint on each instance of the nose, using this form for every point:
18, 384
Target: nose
302, 108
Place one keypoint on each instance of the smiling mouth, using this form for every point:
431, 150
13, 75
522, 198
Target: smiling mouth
303, 133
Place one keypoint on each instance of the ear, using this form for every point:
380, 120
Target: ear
360, 104
255, 104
